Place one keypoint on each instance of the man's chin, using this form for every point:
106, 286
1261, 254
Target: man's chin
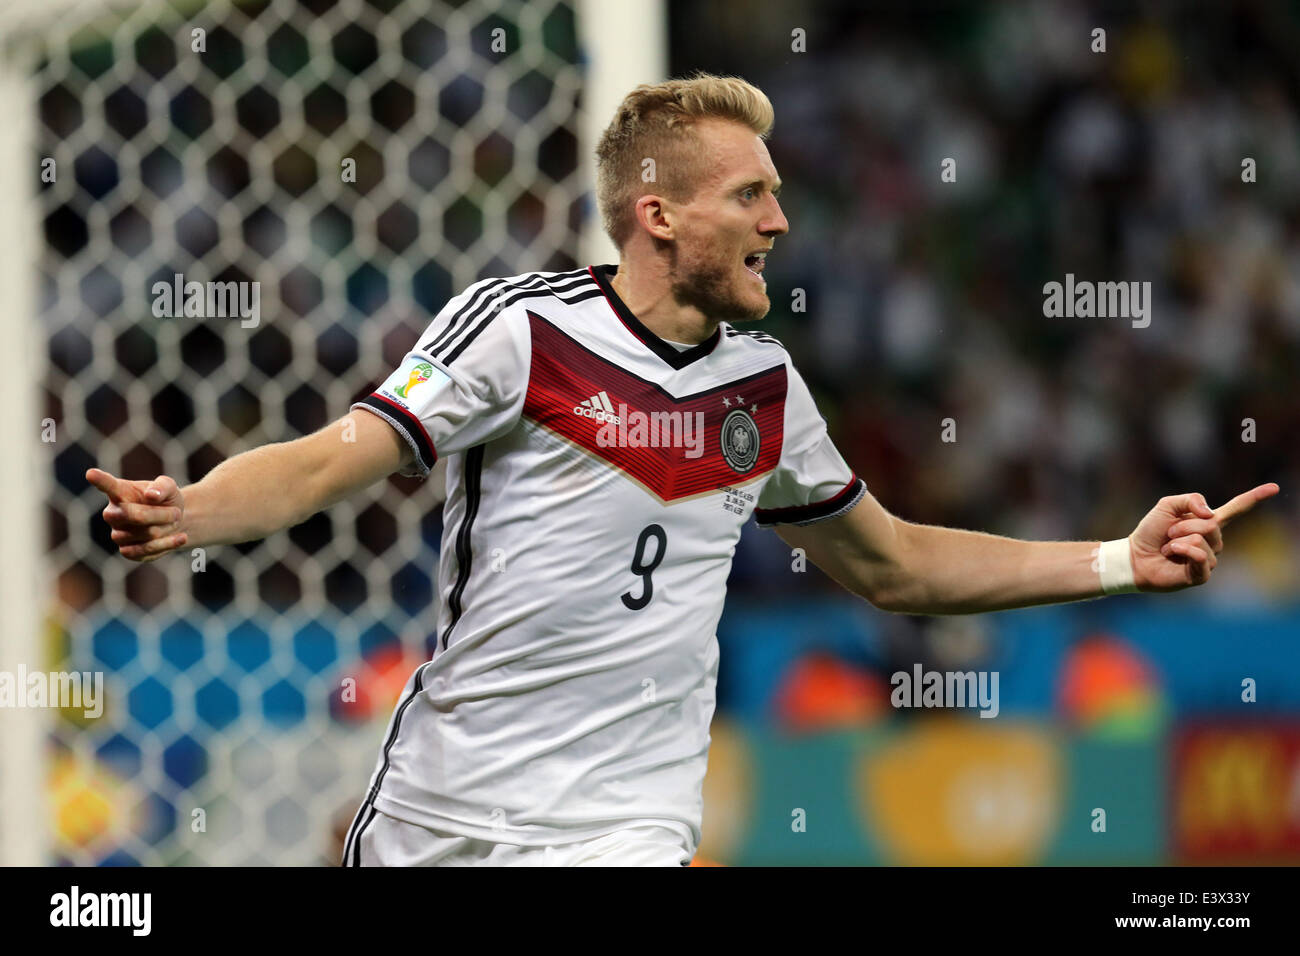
736, 308
752, 313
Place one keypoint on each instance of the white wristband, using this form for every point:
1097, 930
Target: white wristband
1115, 564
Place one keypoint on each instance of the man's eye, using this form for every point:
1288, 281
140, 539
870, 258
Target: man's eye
748, 193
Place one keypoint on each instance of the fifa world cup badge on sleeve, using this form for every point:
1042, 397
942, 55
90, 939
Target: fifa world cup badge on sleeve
415, 380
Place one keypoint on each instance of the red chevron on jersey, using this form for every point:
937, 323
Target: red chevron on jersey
566, 377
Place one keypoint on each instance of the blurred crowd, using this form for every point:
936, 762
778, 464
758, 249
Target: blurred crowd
924, 297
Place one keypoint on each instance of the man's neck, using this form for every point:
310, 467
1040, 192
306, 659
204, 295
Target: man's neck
650, 299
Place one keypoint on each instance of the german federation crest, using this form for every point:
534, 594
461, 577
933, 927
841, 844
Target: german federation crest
740, 441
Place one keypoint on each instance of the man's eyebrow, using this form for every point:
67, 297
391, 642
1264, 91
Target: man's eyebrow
758, 183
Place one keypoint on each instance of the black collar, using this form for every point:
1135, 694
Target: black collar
678, 360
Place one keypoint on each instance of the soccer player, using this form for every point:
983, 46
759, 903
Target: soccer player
608, 431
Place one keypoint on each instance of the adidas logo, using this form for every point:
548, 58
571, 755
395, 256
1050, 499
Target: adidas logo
598, 408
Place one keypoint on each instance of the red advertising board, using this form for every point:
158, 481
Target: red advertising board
1235, 793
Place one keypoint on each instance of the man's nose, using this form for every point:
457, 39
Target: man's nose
774, 224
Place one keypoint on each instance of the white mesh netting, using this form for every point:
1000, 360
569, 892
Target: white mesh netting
227, 165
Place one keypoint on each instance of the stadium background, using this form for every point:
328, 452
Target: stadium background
924, 302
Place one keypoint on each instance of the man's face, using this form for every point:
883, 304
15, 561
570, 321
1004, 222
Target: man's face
733, 217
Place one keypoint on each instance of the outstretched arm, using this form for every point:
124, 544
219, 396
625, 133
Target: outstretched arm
921, 569
253, 494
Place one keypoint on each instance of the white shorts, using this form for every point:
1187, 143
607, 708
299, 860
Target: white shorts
387, 841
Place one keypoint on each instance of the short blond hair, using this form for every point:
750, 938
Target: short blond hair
657, 121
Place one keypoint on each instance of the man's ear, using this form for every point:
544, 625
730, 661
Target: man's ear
654, 215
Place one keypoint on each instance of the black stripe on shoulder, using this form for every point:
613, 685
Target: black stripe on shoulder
756, 336
472, 308
760, 336
489, 299
510, 300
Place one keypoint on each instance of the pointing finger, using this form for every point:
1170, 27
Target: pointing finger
106, 483
1244, 502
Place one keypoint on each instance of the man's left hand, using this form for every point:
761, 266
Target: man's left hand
1176, 545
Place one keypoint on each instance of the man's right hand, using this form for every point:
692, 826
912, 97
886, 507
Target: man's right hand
145, 516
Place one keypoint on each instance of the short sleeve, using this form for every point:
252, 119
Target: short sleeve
811, 482
463, 384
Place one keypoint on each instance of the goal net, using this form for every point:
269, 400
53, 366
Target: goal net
361, 162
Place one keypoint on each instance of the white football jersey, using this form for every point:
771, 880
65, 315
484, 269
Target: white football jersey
597, 481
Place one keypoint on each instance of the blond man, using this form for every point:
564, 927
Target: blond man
607, 432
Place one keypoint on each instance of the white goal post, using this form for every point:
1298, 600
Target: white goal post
25, 588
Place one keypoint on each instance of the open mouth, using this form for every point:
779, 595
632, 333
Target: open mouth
756, 262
